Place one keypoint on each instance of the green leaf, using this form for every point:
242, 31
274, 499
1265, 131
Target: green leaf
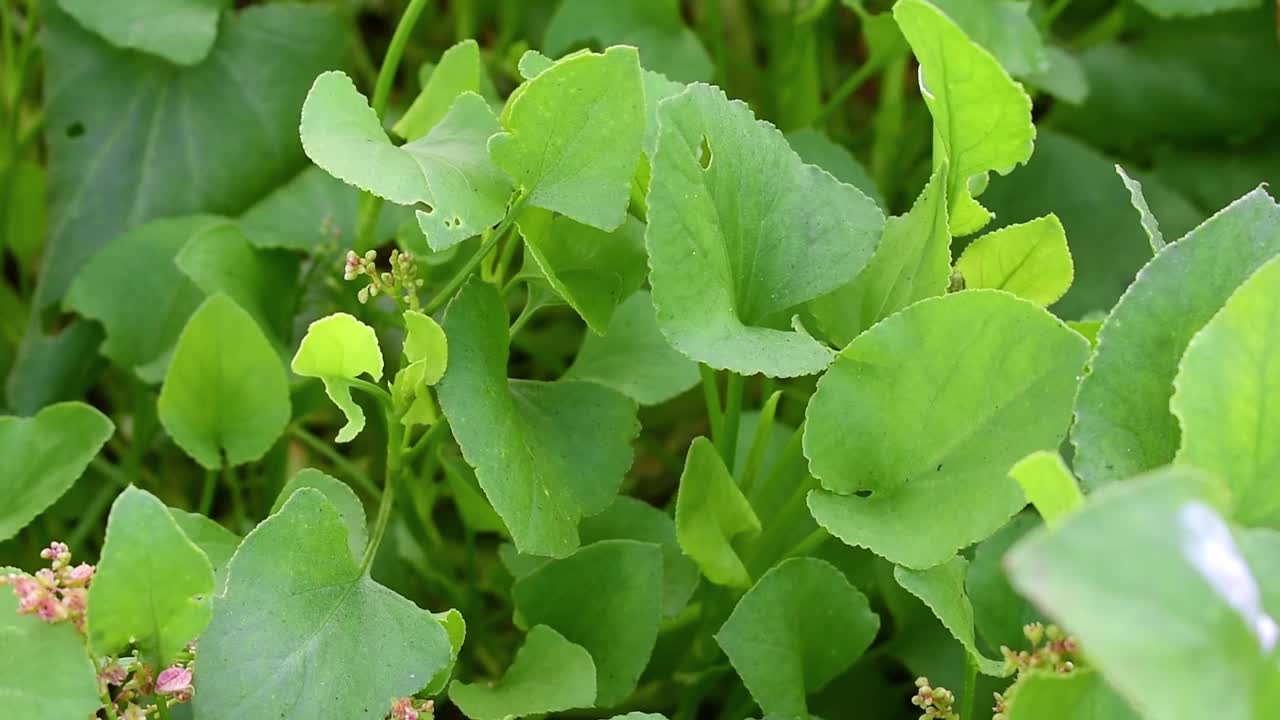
340, 496
134, 288
338, 349
942, 588
912, 262
1193, 8
295, 595
447, 170
654, 26
1148, 220
1079, 695
593, 270
1004, 29
225, 398
180, 31
1123, 423
631, 519
42, 456
710, 511
982, 118
216, 542
607, 597
1224, 395
572, 136
1048, 484
741, 232
929, 409
800, 626
633, 357
545, 453
999, 613
1030, 260
425, 343
1153, 553
456, 628
817, 149
312, 211
549, 674
458, 72
475, 510
44, 669
153, 587
1063, 77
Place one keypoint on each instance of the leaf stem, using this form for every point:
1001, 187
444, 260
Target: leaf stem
970, 689
711, 393
809, 544
206, 492
395, 455
490, 240
733, 391
237, 497
849, 87
162, 707
378, 393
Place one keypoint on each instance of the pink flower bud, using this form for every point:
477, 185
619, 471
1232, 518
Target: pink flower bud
402, 709
79, 576
173, 680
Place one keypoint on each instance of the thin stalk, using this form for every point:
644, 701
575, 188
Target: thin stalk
524, 317
809, 544
464, 20
967, 699
455, 282
424, 442
238, 511
338, 459
107, 705
1052, 13
395, 454
733, 390
206, 492
849, 87
504, 259
714, 23
378, 393
711, 393
162, 708
87, 523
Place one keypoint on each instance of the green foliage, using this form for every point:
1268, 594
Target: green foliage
653, 26
338, 349
548, 674
1029, 260
941, 587
710, 511
180, 31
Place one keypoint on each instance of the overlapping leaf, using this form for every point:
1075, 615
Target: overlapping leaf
1030, 260
653, 26
942, 588
338, 349
180, 31
549, 674
710, 511
459, 71
340, 496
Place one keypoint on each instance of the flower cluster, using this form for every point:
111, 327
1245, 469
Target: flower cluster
133, 687
936, 702
57, 593
1051, 651
411, 709
401, 283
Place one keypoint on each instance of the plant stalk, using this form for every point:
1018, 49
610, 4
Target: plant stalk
395, 455
733, 391
491, 240
967, 699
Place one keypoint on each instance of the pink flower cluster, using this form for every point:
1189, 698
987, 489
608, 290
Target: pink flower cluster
57, 593
412, 709
132, 685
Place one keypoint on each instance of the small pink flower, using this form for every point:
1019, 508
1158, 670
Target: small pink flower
113, 674
173, 680
57, 552
133, 712
50, 610
45, 577
402, 709
79, 576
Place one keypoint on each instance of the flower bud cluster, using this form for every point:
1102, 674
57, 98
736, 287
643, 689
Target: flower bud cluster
407, 708
401, 283
936, 702
57, 593
1052, 650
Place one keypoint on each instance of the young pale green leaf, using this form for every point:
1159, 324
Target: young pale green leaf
633, 357
296, 596
929, 409
941, 587
1079, 695
982, 118
1224, 398
180, 31
448, 169
223, 354
1123, 424
912, 262
1192, 8
710, 511
816, 148
1153, 553
800, 626
741, 232
458, 72
1048, 484
545, 453
153, 587
1149, 224
338, 349
216, 542
1004, 28
1030, 260
654, 26
593, 270
607, 597
631, 519
455, 626
425, 343
44, 669
340, 496
133, 287
42, 456
549, 674
572, 136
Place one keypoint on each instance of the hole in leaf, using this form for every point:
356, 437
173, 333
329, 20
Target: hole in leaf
704, 153
75, 130
862, 493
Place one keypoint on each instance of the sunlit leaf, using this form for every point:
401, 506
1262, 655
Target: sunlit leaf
338, 349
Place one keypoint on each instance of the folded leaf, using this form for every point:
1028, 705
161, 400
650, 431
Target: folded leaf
1030, 260
180, 31
710, 511
941, 587
1149, 224
340, 495
338, 349
549, 674
458, 72
1048, 484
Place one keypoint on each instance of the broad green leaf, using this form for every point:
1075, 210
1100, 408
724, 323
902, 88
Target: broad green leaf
741, 232
1048, 484
912, 262
1079, 695
338, 349
136, 290
458, 72
225, 398
153, 587
607, 597
631, 519
1153, 553
340, 496
633, 357
654, 26
1147, 219
1225, 397
817, 149
929, 409
1192, 8
941, 587
593, 270
710, 511
545, 453
1004, 28
1030, 260
1123, 424
455, 626
1063, 77
216, 542
572, 136
314, 620
472, 505
180, 31
311, 213
42, 456
982, 118
44, 669
447, 170
425, 343
549, 674
800, 626
999, 612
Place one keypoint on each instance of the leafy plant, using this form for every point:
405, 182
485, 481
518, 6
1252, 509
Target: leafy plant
643, 360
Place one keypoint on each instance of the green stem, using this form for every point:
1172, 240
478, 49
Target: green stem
504, 260
378, 393
395, 454
714, 23
733, 389
206, 492
524, 317
108, 706
711, 393
162, 707
429, 437
809, 544
1052, 13
238, 511
87, 522
339, 460
849, 87
967, 700
455, 282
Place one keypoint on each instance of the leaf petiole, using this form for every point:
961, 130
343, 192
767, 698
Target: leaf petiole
491, 240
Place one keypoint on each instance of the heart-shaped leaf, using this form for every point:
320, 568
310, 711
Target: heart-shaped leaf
549, 674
